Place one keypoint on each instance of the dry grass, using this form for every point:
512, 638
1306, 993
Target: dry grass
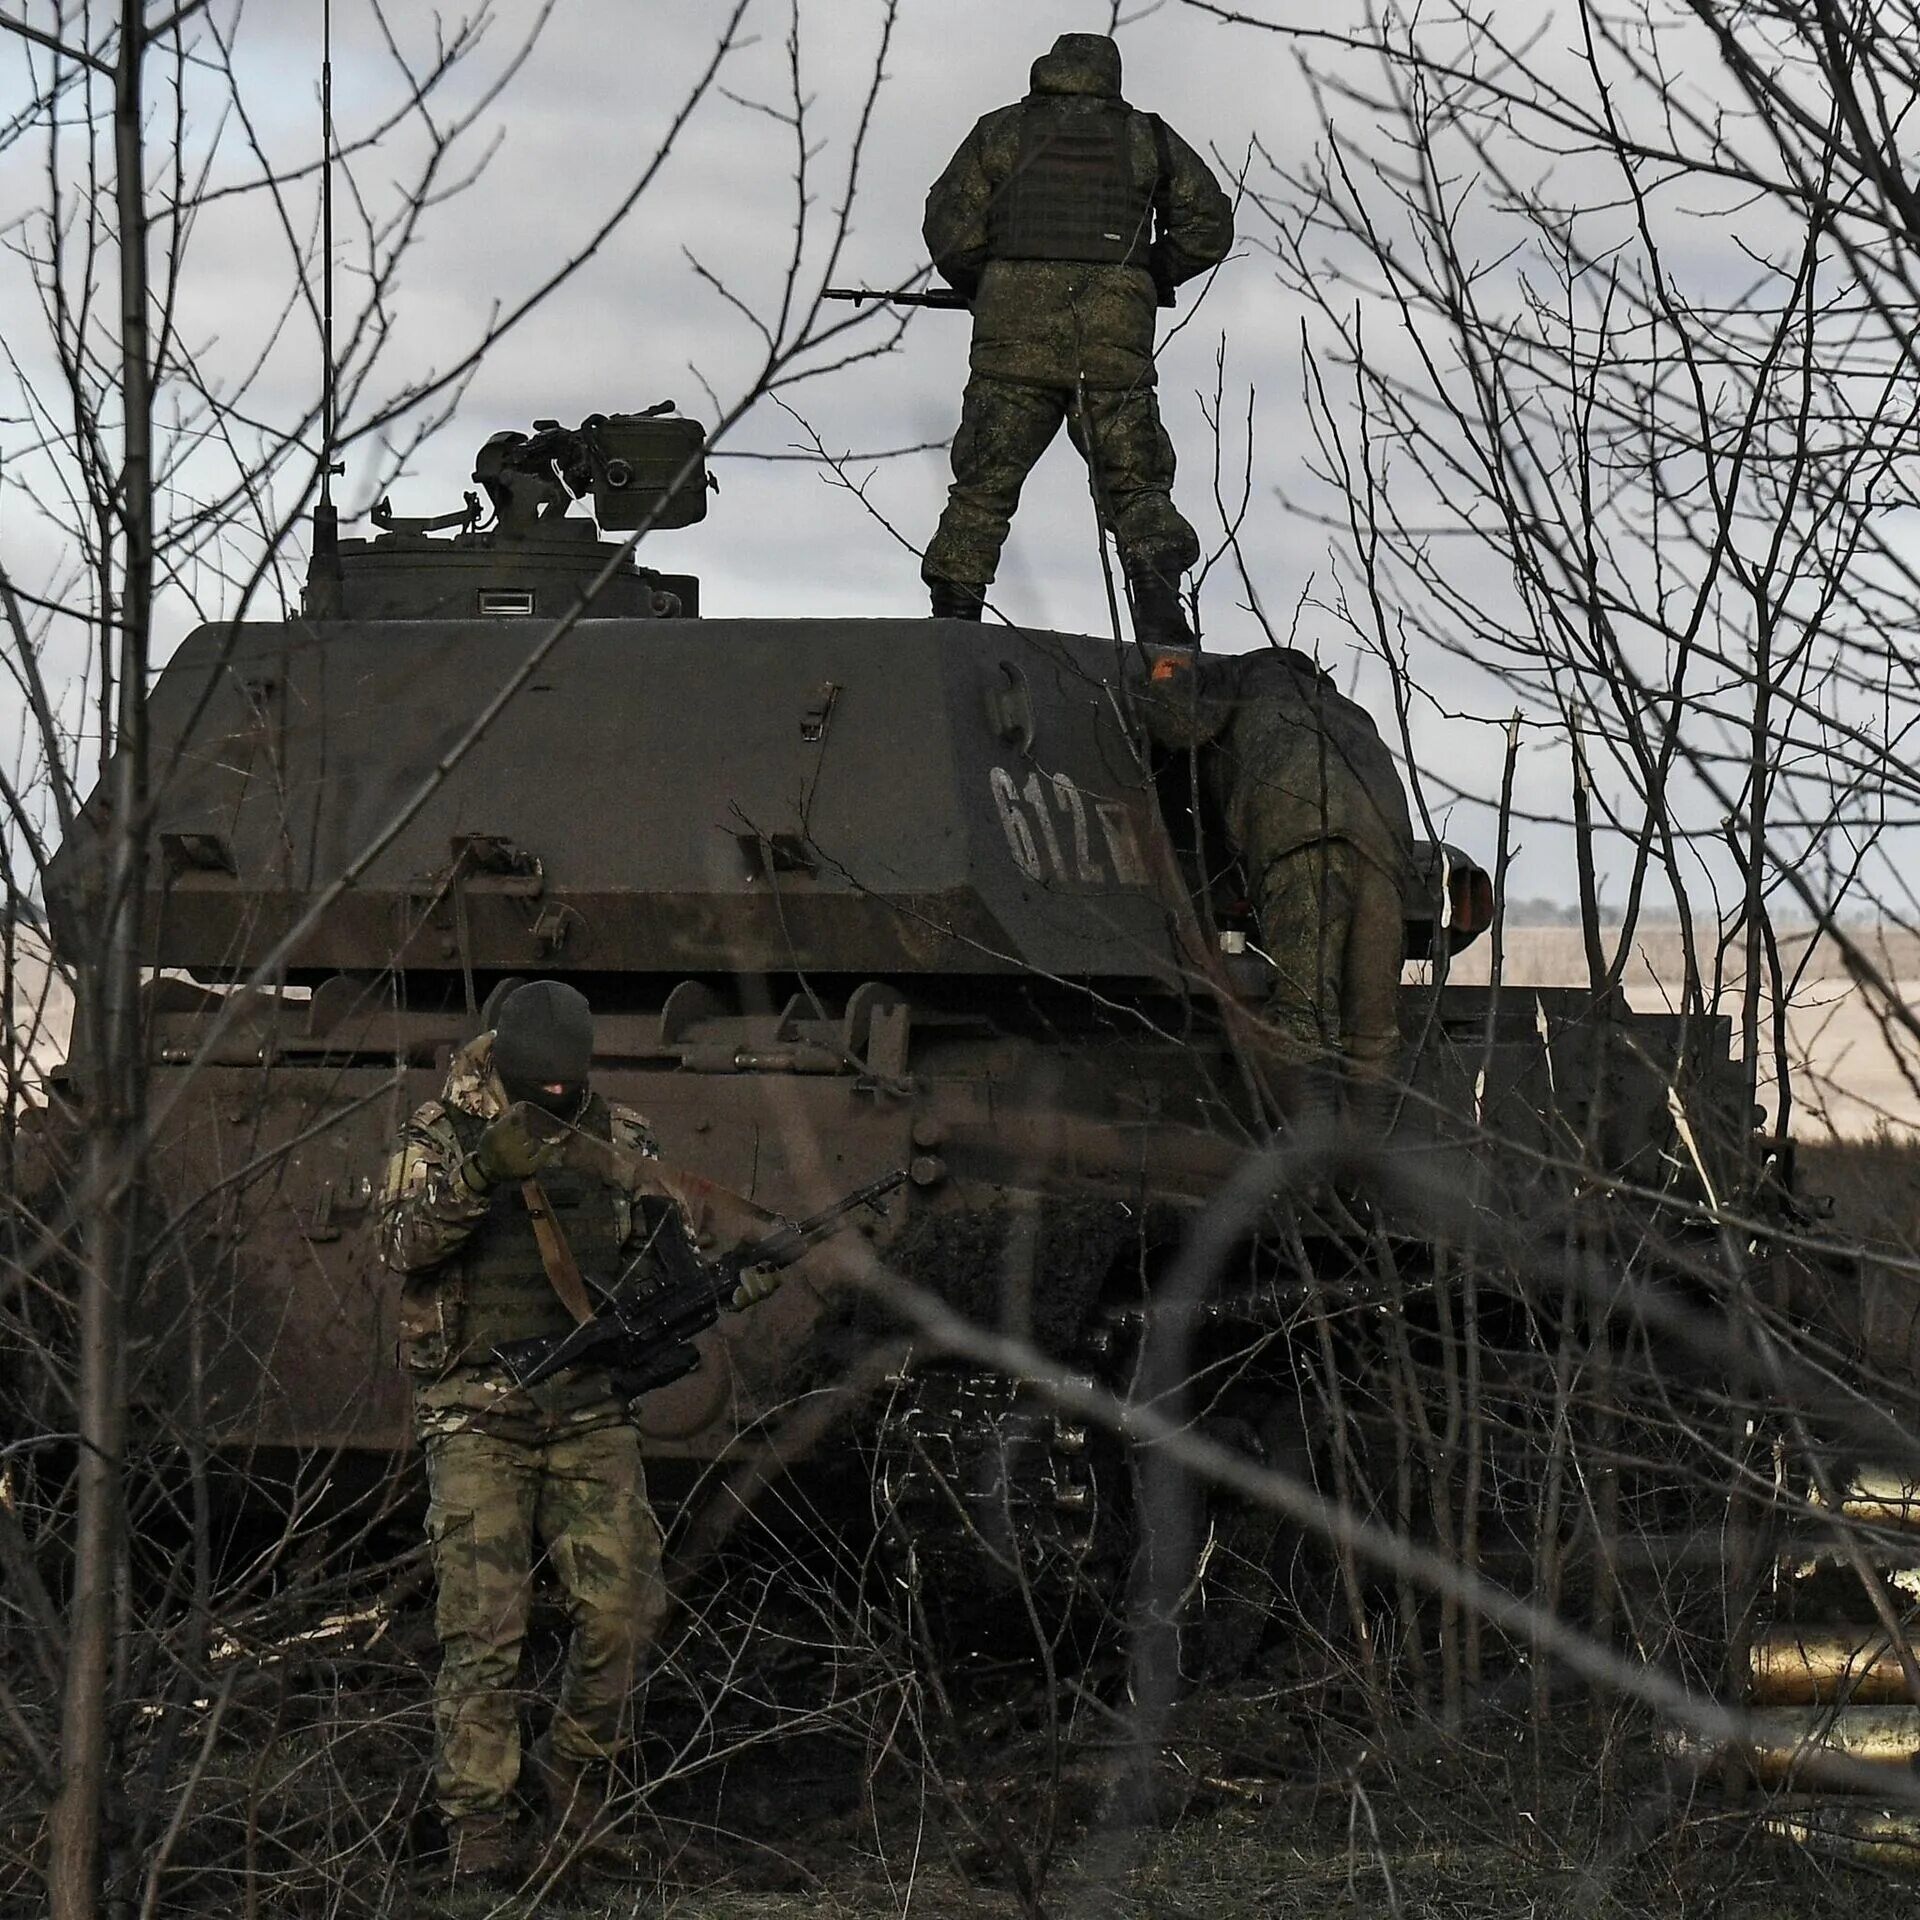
1264, 1810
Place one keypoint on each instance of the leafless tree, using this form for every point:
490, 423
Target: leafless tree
1608, 356
166, 450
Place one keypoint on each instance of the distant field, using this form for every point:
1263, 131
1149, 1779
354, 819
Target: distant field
42, 1009
1848, 1082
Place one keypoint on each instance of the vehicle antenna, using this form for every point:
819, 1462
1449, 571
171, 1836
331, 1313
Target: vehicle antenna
327, 468
323, 582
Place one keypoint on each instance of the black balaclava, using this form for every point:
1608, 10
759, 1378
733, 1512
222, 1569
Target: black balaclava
544, 1037
491, 1005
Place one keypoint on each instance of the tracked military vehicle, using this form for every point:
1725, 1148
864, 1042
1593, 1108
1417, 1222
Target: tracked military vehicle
847, 896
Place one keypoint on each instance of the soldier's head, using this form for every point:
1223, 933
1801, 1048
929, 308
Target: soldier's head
1079, 63
1177, 694
543, 1045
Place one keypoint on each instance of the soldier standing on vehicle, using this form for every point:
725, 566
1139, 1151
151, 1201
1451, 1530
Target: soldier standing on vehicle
491, 1227
1314, 808
1065, 220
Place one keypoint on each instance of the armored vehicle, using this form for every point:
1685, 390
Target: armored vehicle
847, 896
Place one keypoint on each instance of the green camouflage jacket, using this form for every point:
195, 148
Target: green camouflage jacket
1298, 762
1061, 323
428, 1212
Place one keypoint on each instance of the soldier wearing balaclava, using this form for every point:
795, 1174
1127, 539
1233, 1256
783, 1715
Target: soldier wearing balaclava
486, 1183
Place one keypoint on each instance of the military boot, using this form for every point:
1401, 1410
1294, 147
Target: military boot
954, 600
1159, 620
1373, 1103
482, 1849
585, 1831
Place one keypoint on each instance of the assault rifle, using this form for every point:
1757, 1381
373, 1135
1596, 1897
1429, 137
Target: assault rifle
644, 1336
933, 297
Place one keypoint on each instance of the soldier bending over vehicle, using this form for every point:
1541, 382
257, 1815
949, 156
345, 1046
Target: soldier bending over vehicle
1314, 807
472, 1200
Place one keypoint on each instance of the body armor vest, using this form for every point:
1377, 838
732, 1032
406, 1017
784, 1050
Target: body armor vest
1073, 195
506, 1292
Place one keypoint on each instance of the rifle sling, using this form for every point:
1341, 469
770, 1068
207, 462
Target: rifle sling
555, 1255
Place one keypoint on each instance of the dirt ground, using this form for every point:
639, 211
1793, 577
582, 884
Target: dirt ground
1270, 1797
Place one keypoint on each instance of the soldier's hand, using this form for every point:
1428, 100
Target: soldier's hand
515, 1147
756, 1284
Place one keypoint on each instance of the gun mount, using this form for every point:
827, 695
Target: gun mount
532, 559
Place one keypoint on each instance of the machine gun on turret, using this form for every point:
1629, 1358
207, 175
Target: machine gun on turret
642, 469
642, 472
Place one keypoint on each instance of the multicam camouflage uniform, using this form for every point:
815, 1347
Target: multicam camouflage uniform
1314, 806
1063, 309
560, 1461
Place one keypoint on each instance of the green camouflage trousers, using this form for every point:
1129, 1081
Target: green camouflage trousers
1005, 426
1331, 922
583, 1494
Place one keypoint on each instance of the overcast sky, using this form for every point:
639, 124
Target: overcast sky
563, 143
639, 325
661, 310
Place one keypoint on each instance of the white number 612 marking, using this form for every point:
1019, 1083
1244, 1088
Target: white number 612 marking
1116, 828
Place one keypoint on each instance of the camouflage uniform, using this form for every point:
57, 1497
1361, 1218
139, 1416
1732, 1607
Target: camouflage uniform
1068, 338
1314, 807
560, 1461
